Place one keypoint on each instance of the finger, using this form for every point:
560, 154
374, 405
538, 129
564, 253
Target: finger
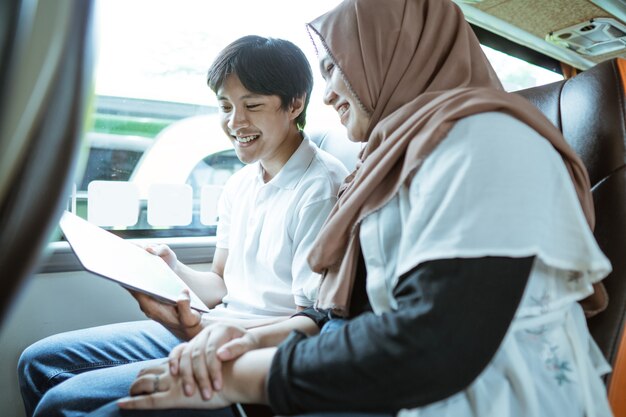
160, 249
183, 302
218, 338
147, 304
214, 367
201, 358
143, 299
143, 385
185, 371
234, 349
133, 293
140, 245
188, 318
153, 401
143, 303
174, 358
156, 310
149, 371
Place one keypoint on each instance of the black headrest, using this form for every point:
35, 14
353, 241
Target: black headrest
589, 109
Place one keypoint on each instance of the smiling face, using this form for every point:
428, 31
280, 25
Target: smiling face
337, 94
258, 127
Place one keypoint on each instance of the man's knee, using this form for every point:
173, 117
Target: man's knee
30, 378
32, 363
39, 369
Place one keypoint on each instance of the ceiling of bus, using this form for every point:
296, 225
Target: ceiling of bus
541, 17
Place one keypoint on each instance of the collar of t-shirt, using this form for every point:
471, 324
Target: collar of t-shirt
291, 173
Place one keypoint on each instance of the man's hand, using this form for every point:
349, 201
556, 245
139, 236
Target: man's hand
165, 253
180, 319
199, 362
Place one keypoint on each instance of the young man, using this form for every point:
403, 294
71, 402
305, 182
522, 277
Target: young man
269, 215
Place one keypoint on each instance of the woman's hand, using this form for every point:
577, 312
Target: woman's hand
157, 388
180, 319
199, 362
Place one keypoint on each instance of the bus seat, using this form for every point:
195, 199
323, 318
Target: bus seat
590, 110
335, 142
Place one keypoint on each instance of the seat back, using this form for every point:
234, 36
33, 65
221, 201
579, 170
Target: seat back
334, 140
590, 110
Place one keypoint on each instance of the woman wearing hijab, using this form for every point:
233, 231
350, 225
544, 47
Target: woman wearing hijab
457, 251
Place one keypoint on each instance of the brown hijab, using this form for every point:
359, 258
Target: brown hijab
416, 67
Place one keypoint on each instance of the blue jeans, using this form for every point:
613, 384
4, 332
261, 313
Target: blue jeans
73, 373
333, 324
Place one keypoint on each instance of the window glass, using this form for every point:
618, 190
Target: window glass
156, 127
517, 74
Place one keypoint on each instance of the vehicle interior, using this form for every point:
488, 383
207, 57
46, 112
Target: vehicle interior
78, 126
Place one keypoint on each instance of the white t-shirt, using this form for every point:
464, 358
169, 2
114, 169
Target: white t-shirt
269, 228
495, 187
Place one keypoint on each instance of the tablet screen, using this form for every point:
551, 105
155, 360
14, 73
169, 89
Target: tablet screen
112, 257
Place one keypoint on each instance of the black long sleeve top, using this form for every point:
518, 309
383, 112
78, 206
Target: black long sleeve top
452, 316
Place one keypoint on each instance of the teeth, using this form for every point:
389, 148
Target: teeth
246, 139
341, 110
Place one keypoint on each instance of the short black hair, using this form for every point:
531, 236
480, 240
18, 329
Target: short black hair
267, 66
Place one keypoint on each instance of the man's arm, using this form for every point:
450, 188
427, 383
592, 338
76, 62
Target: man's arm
266, 336
208, 285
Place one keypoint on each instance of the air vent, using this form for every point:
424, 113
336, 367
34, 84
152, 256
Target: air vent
595, 37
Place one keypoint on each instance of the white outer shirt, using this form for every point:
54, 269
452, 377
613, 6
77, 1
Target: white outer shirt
495, 187
269, 228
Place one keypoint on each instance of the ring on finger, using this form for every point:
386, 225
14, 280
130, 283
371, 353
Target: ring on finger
156, 384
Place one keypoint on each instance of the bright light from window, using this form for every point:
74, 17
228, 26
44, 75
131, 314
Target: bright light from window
161, 49
516, 74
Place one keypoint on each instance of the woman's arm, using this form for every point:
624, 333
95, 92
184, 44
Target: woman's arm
267, 336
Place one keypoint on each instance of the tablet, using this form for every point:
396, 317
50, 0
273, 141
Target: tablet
109, 256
